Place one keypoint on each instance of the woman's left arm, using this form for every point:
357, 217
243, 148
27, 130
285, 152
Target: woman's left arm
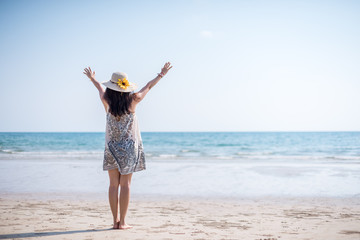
91, 75
142, 93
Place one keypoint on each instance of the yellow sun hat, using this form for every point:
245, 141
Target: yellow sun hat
119, 82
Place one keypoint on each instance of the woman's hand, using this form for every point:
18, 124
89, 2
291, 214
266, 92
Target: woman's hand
166, 68
90, 74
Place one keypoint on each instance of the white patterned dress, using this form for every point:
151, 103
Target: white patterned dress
119, 128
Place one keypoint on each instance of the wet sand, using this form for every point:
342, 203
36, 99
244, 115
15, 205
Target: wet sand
53, 216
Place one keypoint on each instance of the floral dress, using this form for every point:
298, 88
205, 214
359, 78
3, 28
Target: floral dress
125, 128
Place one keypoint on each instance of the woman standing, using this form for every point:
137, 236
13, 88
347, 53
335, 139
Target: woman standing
123, 153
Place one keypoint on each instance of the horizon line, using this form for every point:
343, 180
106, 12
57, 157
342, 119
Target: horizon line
260, 131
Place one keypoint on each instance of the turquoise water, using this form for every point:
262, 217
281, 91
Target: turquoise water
189, 164
209, 145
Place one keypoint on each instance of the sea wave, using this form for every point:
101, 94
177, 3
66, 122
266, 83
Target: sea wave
10, 151
51, 155
189, 151
343, 157
254, 153
167, 156
8, 154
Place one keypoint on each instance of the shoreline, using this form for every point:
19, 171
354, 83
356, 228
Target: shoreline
100, 196
63, 216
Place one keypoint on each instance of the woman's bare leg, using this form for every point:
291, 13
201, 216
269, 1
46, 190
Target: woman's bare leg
125, 181
114, 176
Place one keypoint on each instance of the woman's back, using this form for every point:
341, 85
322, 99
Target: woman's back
120, 127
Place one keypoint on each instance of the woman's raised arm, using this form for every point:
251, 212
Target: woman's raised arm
142, 93
91, 75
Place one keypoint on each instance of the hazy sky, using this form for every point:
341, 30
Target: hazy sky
238, 65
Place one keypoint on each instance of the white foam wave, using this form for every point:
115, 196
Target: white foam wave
344, 157
7, 151
8, 154
52, 155
167, 155
224, 157
254, 153
189, 151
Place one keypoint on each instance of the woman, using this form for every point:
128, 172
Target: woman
123, 153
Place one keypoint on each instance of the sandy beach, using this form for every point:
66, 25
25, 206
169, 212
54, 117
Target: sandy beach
254, 192
52, 216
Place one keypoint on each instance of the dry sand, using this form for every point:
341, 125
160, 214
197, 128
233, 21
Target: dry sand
49, 217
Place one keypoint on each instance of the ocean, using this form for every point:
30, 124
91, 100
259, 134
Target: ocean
204, 164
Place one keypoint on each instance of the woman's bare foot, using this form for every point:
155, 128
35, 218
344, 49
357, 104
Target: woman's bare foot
116, 225
124, 226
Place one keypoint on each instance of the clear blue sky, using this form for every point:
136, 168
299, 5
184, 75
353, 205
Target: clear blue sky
238, 65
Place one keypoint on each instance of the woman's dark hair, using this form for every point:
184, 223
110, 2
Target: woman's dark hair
119, 102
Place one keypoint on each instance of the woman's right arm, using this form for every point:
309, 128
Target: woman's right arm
139, 96
91, 75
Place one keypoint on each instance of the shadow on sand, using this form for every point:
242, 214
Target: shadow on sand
39, 234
